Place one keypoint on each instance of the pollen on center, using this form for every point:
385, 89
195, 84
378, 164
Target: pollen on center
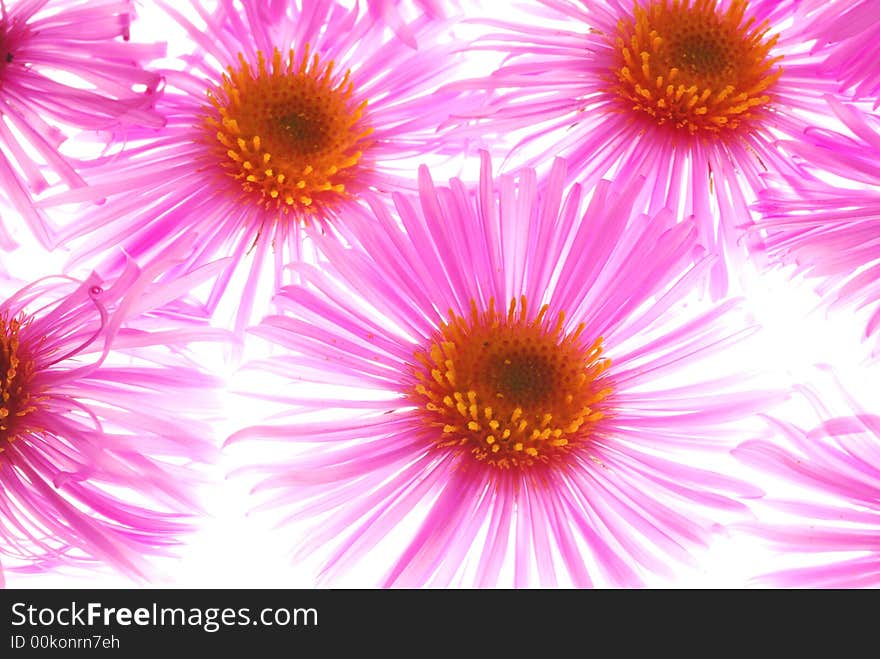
288, 132
16, 372
509, 388
692, 67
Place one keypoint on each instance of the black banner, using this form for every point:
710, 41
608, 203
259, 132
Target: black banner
333, 622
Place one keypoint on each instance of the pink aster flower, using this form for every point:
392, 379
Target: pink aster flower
828, 231
503, 412
63, 66
693, 94
835, 521
99, 423
284, 115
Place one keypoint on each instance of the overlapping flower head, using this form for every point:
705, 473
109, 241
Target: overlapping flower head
849, 39
101, 420
694, 94
830, 231
285, 114
834, 522
64, 67
502, 361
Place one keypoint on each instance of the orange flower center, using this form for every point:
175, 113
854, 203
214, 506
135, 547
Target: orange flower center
510, 390
16, 373
686, 65
290, 134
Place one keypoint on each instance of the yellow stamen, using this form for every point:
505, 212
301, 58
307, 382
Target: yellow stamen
688, 66
295, 113
16, 373
523, 393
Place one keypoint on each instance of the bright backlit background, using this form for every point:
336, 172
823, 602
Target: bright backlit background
238, 548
